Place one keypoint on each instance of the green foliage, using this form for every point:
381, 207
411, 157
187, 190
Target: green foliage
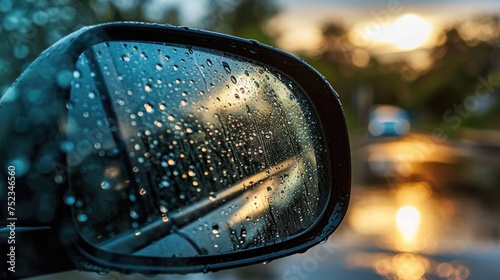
242, 18
459, 68
28, 27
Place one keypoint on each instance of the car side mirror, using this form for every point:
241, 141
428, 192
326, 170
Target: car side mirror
171, 150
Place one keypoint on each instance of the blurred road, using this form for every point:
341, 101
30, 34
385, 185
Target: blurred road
420, 209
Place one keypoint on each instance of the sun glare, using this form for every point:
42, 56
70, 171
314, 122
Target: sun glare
407, 32
408, 221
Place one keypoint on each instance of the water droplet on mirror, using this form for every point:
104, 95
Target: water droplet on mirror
149, 108
175, 67
233, 79
134, 215
209, 62
212, 196
66, 146
215, 229
69, 199
105, 185
158, 123
91, 95
120, 102
158, 66
82, 217
125, 58
76, 74
226, 67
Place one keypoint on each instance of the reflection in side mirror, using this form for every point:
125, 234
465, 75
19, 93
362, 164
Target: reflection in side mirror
186, 151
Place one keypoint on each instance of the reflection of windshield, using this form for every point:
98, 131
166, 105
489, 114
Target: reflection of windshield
193, 145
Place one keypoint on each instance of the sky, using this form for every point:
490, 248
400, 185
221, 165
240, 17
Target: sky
354, 10
389, 25
345, 11
304, 18
380, 2
294, 3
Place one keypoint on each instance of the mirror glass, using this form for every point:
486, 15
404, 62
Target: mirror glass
181, 151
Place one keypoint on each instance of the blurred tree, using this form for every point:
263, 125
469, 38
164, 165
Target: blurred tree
359, 78
243, 18
339, 50
447, 92
133, 10
28, 27
467, 57
469, 54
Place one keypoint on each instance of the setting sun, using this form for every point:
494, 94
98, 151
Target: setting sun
407, 32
